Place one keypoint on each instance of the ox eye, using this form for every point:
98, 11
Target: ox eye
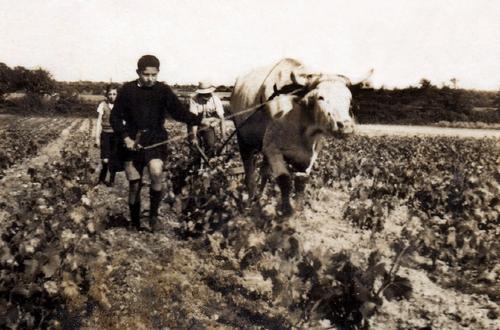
321, 98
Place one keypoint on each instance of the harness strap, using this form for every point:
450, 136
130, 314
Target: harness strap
291, 89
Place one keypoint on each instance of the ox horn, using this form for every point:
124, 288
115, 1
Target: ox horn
361, 79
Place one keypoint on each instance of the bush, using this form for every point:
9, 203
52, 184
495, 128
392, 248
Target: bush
67, 104
29, 103
422, 106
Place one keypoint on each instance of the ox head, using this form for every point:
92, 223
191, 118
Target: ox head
328, 99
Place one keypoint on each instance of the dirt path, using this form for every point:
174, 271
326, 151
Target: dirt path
154, 280
49, 152
157, 280
407, 130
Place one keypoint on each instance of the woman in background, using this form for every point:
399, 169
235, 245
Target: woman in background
106, 138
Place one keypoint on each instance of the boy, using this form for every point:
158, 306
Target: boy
138, 118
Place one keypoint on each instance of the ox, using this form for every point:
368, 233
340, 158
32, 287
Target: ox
294, 108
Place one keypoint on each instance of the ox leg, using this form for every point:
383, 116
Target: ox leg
300, 183
285, 183
248, 160
265, 174
283, 179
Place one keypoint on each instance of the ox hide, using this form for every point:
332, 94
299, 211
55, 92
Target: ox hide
272, 114
249, 97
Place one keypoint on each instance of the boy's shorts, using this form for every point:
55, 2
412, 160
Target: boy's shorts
138, 160
135, 161
145, 155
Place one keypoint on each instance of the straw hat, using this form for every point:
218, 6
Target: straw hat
204, 87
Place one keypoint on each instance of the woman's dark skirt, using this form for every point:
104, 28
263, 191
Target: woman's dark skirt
110, 150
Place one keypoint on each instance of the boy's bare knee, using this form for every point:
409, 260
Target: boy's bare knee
155, 168
131, 172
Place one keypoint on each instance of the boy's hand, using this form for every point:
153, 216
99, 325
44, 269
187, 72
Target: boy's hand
129, 143
193, 141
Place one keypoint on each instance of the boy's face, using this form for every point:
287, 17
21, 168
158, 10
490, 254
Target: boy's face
148, 76
112, 95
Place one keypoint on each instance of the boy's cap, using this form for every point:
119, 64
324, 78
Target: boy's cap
148, 60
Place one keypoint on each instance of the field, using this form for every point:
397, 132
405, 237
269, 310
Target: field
399, 230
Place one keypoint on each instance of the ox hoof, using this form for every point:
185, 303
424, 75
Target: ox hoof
300, 203
286, 210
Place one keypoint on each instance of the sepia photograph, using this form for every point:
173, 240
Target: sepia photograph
250, 164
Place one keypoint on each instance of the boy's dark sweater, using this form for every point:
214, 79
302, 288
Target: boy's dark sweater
146, 108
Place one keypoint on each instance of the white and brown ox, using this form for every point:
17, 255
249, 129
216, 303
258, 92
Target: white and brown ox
298, 108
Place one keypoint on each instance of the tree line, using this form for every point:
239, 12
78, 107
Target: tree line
425, 104
422, 104
36, 81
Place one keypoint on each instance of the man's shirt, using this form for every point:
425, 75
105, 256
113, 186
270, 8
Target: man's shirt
211, 107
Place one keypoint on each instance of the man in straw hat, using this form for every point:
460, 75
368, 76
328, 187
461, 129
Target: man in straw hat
206, 104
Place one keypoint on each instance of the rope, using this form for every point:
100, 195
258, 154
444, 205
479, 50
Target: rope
288, 90
253, 108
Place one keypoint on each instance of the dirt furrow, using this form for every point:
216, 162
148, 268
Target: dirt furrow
12, 183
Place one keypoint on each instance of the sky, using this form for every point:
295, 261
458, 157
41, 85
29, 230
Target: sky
217, 40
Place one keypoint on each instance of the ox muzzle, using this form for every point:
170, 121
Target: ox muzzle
341, 128
345, 127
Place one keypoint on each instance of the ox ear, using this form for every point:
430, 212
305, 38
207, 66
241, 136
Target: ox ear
297, 79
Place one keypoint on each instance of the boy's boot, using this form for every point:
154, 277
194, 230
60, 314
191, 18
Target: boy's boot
135, 215
155, 198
